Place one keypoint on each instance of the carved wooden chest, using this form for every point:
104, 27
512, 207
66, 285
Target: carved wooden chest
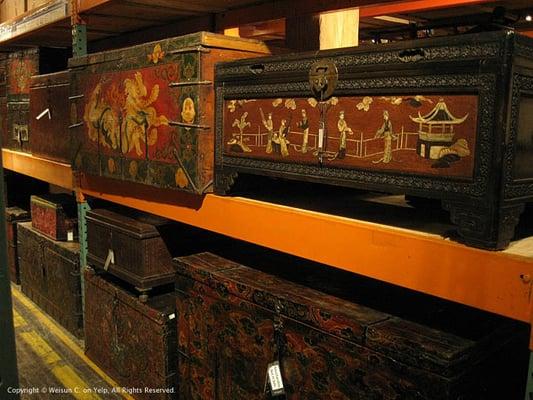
55, 215
234, 321
20, 67
50, 276
131, 247
13, 216
133, 342
145, 113
446, 118
49, 116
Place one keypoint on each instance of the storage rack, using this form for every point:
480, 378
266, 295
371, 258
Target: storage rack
498, 282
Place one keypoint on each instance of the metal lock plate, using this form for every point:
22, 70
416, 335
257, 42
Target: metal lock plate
323, 77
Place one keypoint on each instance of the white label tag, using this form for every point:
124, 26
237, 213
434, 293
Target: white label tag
70, 236
47, 111
320, 137
172, 316
110, 259
274, 379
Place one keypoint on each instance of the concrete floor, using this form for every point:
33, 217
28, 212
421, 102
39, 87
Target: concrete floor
51, 362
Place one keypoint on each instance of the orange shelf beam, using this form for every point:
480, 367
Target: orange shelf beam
56, 173
493, 281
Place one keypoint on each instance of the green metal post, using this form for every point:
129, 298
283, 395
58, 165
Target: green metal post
82, 234
79, 40
8, 354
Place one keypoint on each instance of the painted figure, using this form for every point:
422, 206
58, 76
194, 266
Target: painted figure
344, 129
280, 141
304, 125
269, 125
386, 133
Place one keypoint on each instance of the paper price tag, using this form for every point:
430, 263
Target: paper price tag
110, 259
275, 380
172, 316
70, 236
320, 138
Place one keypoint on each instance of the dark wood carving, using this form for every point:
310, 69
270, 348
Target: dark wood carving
131, 247
13, 216
234, 321
133, 342
49, 116
420, 118
50, 276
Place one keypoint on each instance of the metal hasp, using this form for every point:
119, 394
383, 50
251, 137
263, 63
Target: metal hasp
8, 354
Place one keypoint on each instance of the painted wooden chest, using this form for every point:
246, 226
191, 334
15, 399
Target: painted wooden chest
133, 342
445, 118
49, 116
20, 67
50, 276
234, 321
130, 246
55, 215
145, 113
13, 216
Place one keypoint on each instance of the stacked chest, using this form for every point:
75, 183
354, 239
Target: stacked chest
145, 114
132, 341
14, 215
21, 66
234, 322
446, 118
50, 276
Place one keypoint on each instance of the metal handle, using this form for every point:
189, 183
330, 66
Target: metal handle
412, 55
257, 69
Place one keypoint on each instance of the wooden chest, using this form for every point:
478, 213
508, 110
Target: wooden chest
13, 216
20, 67
130, 247
445, 118
145, 113
55, 215
234, 321
49, 116
133, 342
50, 276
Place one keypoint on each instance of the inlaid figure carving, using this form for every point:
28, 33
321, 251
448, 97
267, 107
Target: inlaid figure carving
386, 133
304, 125
269, 125
344, 129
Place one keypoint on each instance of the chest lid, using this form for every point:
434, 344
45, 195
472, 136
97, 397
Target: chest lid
154, 52
58, 201
434, 335
16, 214
159, 308
61, 78
132, 223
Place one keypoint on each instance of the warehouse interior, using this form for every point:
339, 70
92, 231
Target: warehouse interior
266, 199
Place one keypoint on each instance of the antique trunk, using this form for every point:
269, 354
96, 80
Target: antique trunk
49, 116
13, 216
445, 118
145, 113
20, 67
233, 322
133, 342
55, 215
50, 276
130, 247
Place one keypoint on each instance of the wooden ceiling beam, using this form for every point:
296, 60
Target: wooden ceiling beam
416, 5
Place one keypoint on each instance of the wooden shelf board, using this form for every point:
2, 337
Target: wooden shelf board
491, 281
56, 173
